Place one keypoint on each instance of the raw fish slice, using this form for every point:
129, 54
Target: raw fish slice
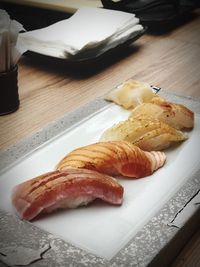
177, 115
131, 93
64, 189
145, 132
114, 158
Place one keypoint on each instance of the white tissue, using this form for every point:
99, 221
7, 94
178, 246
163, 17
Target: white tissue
10, 52
90, 31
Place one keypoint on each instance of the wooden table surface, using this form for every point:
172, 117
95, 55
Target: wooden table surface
49, 88
69, 6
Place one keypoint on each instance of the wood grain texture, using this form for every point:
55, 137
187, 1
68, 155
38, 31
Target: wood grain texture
49, 88
69, 6
189, 256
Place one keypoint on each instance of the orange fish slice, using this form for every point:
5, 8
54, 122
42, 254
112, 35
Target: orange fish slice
114, 158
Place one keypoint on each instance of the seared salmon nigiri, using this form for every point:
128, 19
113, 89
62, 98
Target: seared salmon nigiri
64, 189
114, 158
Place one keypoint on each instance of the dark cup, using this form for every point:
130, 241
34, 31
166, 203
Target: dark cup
9, 97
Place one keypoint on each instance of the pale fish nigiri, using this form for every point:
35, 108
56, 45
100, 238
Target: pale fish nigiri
145, 132
130, 94
64, 189
114, 158
176, 115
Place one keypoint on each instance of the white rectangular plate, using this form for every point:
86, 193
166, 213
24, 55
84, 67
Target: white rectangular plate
100, 228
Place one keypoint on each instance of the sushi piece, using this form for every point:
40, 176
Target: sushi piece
145, 132
64, 189
131, 93
176, 115
183, 116
114, 158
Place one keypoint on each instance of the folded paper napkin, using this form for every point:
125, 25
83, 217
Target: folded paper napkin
89, 32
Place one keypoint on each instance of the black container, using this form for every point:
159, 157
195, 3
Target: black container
9, 97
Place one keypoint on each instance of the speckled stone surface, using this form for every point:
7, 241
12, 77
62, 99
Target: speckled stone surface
141, 250
17, 152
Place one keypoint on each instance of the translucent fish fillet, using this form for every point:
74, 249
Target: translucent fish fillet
176, 115
68, 189
114, 158
131, 93
145, 132
183, 116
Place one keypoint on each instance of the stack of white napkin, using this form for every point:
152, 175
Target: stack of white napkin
88, 33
